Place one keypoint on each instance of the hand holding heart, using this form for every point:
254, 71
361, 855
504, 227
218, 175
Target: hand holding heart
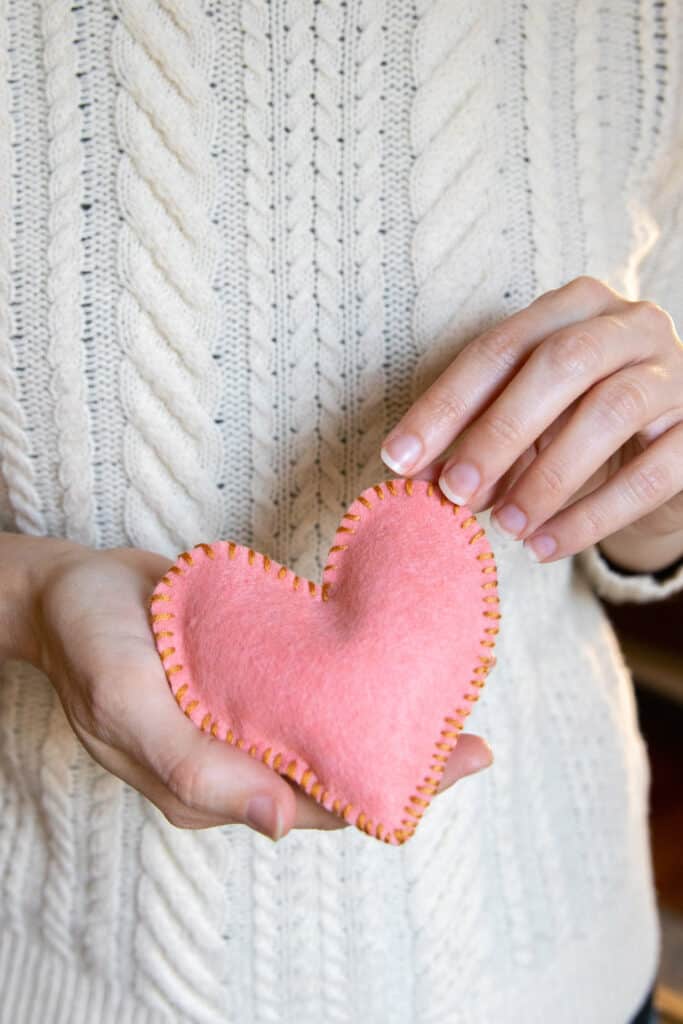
82, 618
358, 687
567, 419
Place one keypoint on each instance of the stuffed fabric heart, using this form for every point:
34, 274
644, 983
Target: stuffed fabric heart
358, 688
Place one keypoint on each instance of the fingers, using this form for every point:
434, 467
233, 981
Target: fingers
472, 754
129, 721
484, 367
132, 709
146, 783
606, 418
197, 812
210, 779
433, 470
309, 813
560, 370
638, 488
200, 782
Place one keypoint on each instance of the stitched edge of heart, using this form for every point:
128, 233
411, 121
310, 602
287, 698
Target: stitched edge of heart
416, 805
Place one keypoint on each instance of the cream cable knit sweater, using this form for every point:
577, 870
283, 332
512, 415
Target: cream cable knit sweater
236, 238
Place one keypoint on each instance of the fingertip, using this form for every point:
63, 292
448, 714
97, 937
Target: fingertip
486, 755
476, 757
264, 813
391, 464
472, 754
401, 452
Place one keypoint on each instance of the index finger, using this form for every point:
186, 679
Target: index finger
483, 368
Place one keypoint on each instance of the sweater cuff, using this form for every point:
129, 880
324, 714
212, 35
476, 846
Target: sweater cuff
618, 585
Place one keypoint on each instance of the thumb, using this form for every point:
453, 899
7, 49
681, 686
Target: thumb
205, 776
472, 754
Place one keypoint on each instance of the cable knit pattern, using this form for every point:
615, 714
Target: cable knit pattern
64, 352
15, 459
529, 707
660, 273
60, 755
334, 979
101, 938
253, 230
452, 183
330, 356
178, 943
266, 949
258, 199
534, 706
538, 85
168, 317
652, 20
10, 796
445, 857
587, 89
168, 308
369, 278
302, 355
22, 833
299, 907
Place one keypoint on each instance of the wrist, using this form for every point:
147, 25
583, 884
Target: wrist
638, 554
26, 564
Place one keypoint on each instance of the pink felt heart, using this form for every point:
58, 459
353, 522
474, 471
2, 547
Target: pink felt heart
356, 689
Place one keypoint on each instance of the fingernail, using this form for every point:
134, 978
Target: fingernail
485, 761
459, 482
540, 547
509, 519
401, 452
264, 814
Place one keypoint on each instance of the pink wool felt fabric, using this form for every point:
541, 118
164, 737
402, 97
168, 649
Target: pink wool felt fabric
358, 688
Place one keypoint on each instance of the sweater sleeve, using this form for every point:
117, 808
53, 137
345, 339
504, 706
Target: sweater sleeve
619, 586
660, 279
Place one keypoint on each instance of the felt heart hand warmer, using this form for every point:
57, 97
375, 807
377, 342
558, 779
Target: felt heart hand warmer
358, 688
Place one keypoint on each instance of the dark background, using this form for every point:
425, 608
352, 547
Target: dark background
651, 637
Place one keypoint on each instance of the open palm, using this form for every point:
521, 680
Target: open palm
98, 650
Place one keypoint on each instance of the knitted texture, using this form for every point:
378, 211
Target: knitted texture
236, 239
168, 311
458, 268
63, 286
168, 315
22, 499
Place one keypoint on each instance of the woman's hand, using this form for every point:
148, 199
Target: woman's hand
82, 617
567, 419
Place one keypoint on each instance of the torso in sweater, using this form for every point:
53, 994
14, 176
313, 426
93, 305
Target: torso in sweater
240, 238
